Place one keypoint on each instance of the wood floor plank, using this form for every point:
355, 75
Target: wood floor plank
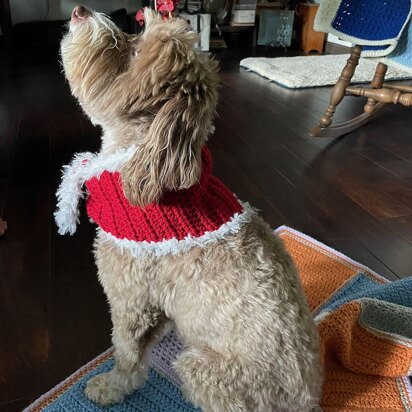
391, 162
238, 181
384, 243
391, 130
9, 125
401, 225
291, 202
25, 286
379, 192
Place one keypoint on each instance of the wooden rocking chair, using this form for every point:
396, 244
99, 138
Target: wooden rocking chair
379, 94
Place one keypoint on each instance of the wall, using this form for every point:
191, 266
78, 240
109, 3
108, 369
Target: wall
41, 10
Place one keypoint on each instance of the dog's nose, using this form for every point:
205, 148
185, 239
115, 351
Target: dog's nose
80, 12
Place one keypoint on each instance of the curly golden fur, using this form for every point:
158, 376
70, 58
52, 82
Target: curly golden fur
250, 341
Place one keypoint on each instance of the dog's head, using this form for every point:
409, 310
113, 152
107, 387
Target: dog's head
157, 78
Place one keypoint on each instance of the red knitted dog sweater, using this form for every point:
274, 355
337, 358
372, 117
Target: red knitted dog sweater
192, 212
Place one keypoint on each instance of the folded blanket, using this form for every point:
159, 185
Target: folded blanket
367, 347
375, 24
365, 324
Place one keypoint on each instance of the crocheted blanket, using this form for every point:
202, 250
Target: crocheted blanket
375, 24
365, 324
401, 57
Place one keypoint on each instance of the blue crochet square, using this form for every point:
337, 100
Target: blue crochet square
362, 286
157, 395
372, 20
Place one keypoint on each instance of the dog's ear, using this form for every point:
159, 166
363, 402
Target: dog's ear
177, 86
169, 158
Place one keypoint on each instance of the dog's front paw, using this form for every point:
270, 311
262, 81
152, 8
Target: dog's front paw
104, 389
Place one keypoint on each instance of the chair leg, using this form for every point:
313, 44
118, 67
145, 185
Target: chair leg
338, 91
376, 83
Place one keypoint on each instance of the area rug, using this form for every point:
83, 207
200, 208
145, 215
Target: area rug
313, 71
365, 324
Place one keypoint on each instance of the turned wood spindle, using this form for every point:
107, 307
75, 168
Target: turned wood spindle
338, 91
383, 95
405, 99
397, 86
376, 83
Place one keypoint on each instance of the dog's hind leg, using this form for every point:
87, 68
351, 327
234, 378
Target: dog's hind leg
209, 381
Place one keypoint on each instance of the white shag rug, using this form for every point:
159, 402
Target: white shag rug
313, 71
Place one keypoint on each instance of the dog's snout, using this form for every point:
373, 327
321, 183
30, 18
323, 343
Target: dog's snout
80, 12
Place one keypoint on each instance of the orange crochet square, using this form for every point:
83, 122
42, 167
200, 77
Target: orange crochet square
317, 266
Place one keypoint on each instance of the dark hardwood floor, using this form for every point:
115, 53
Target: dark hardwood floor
353, 194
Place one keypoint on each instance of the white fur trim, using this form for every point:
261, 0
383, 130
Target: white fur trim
83, 167
174, 246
